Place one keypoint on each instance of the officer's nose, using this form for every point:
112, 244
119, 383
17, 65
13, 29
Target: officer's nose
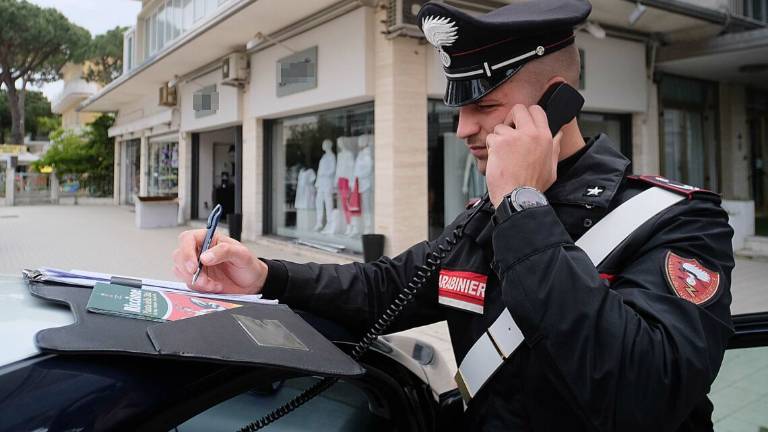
468, 123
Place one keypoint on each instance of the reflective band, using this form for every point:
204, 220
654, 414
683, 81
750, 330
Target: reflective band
465, 74
503, 337
481, 361
617, 225
505, 334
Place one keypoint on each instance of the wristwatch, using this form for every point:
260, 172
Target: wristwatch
521, 198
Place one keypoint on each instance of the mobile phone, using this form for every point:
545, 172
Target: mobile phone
562, 103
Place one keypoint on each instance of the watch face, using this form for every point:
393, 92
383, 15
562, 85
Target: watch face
528, 198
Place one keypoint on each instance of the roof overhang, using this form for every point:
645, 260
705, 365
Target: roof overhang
227, 32
163, 117
735, 57
671, 19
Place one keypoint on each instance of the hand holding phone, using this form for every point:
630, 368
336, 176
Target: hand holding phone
526, 154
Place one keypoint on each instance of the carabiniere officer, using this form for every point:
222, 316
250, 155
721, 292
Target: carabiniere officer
579, 297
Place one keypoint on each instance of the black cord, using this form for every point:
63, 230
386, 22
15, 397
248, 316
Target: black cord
407, 295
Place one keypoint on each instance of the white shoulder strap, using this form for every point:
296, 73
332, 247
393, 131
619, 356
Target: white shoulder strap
490, 351
617, 225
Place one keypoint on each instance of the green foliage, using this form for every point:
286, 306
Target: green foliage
35, 42
105, 56
87, 155
34, 45
37, 114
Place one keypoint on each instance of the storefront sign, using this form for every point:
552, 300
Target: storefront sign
12, 149
297, 72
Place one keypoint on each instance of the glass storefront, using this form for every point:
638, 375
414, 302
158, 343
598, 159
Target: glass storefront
453, 178
163, 165
322, 177
689, 146
131, 170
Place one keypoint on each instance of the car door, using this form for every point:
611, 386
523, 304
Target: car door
740, 392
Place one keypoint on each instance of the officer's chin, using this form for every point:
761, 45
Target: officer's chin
481, 163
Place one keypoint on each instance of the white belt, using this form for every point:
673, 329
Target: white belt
502, 338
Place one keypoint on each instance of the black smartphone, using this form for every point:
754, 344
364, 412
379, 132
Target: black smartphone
562, 103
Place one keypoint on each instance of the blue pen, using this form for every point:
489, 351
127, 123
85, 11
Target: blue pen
213, 222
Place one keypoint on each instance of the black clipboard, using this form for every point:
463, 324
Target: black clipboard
251, 335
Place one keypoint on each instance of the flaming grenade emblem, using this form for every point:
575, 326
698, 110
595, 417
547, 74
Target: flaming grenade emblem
440, 32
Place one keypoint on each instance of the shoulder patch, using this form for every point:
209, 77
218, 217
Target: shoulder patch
672, 185
690, 280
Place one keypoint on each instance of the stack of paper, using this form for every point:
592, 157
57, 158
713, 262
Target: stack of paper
90, 279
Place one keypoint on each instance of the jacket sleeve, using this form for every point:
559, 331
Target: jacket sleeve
356, 294
632, 357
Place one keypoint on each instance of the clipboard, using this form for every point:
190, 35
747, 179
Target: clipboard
252, 335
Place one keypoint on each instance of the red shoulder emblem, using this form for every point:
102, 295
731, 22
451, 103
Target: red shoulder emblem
690, 280
671, 185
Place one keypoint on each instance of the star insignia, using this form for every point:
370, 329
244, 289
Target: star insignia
594, 191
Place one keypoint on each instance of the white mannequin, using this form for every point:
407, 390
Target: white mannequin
326, 170
305, 199
363, 175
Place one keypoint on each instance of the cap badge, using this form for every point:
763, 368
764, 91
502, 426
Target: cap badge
440, 32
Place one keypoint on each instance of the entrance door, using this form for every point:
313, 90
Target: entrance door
758, 134
214, 172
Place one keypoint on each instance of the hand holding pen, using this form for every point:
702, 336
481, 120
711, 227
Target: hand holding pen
213, 222
230, 267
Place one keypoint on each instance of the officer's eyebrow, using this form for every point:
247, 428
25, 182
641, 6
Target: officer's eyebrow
487, 101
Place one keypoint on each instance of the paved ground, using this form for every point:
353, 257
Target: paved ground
104, 238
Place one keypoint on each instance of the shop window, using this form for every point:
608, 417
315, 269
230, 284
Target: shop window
163, 163
322, 177
453, 178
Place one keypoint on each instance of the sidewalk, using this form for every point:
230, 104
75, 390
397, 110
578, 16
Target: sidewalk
104, 238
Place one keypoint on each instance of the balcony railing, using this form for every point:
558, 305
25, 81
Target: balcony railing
754, 9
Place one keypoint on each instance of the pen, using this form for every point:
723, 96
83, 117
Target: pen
213, 222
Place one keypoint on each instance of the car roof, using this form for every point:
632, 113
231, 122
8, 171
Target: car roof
22, 316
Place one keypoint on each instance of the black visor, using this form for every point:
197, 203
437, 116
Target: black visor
465, 91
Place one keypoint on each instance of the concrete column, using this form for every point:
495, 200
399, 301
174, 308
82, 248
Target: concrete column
185, 177
735, 148
144, 166
54, 188
117, 159
253, 178
400, 119
645, 136
10, 188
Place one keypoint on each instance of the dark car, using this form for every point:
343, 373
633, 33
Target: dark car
407, 385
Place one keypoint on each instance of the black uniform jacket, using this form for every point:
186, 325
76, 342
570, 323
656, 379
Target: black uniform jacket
608, 349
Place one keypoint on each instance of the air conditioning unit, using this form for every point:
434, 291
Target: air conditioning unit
234, 69
167, 95
401, 17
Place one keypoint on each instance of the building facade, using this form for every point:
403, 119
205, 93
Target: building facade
323, 122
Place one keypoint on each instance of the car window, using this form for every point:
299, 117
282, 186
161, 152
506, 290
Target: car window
740, 392
343, 407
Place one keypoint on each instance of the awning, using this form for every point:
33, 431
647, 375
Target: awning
163, 117
735, 57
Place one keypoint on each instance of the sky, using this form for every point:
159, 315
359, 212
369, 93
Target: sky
96, 16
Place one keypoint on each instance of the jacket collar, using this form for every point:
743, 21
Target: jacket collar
593, 179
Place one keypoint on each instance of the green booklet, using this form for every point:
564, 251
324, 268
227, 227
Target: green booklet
148, 304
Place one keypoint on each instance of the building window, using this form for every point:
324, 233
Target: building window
453, 178
618, 127
689, 128
322, 177
163, 164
